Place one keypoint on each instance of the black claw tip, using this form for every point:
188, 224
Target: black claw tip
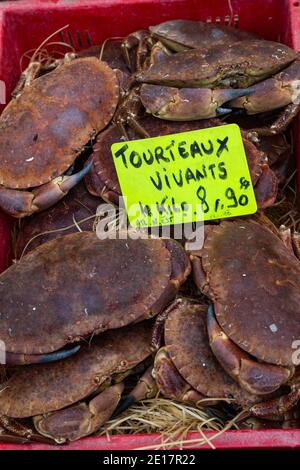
211, 312
220, 111
58, 355
126, 403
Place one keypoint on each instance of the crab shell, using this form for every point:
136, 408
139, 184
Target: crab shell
43, 131
53, 223
102, 179
187, 344
237, 65
180, 35
42, 388
77, 285
254, 282
111, 53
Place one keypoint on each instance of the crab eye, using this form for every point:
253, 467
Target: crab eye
123, 363
97, 380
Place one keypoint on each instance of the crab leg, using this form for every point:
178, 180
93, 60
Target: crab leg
127, 113
23, 203
266, 187
81, 419
279, 125
257, 378
274, 409
187, 104
26, 78
20, 434
136, 39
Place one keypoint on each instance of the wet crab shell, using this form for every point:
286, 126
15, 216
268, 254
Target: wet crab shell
39, 389
43, 131
76, 206
187, 343
77, 285
102, 179
238, 65
254, 281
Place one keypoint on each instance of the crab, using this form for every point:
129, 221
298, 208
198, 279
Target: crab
197, 84
185, 368
209, 103
77, 209
194, 84
102, 180
72, 398
44, 130
78, 285
252, 279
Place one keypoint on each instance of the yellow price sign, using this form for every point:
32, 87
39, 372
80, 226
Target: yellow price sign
185, 177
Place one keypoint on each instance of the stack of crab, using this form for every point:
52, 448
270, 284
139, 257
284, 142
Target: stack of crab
76, 311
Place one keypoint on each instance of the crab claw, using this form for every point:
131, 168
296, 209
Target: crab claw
49, 194
276, 409
187, 104
81, 419
257, 378
277, 92
15, 358
23, 203
171, 384
145, 388
273, 93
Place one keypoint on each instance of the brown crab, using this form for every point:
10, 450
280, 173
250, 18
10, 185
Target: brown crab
77, 209
102, 179
253, 280
54, 394
185, 368
79, 285
46, 128
190, 84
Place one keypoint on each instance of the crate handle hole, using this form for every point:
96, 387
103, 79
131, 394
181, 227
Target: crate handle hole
296, 4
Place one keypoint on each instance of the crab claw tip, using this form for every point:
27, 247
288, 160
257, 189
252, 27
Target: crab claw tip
58, 355
126, 403
220, 111
211, 311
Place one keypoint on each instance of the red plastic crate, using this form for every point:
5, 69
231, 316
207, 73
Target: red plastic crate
24, 25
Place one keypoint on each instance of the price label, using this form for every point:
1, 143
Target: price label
185, 177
